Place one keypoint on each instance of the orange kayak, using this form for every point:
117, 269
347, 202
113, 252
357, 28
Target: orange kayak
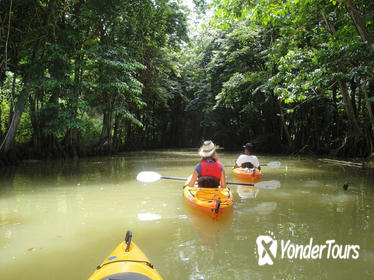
245, 174
126, 262
212, 201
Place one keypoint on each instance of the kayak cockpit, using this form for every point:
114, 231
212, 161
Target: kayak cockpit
126, 276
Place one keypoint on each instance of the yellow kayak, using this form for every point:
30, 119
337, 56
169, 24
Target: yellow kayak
126, 262
212, 201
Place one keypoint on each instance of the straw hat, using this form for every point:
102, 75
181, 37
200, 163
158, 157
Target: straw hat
207, 149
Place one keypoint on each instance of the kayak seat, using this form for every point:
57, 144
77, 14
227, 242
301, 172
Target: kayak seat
247, 165
126, 276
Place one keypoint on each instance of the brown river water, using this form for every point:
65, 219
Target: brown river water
60, 219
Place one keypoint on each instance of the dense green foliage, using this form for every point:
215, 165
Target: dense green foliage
81, 77
291, 76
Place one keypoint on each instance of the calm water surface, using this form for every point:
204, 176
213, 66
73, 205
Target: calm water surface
60, 219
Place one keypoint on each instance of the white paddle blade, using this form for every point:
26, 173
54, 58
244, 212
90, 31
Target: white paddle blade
273, 164
148, 176
271, 185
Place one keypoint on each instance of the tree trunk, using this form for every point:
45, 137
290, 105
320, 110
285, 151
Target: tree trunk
11, 109
368, 108
317, 132
359, 101
358, 22
12, 94
36, 131
51, 143
72, 137
117, 133
335, 131
284, 125
1, 121
353, 96
105, 146
8, 142
71, 142
106, 132
330, 28
352, 120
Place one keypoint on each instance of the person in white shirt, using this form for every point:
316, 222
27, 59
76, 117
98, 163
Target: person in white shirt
247, 160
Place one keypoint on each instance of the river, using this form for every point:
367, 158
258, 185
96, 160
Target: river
60, 219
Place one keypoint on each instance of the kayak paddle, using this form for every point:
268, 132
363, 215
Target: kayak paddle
150, 176
272, 164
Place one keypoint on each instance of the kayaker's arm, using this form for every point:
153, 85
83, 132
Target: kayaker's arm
193, 178
223, 179
236, 165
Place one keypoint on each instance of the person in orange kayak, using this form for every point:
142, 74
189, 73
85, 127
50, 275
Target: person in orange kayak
209, 172
247, 160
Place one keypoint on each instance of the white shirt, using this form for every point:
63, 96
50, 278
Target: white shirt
246, 158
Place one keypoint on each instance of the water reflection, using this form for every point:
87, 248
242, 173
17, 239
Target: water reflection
209, 229
246, 192
148, 217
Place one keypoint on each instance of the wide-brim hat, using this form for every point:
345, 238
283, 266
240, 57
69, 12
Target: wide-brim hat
207, 149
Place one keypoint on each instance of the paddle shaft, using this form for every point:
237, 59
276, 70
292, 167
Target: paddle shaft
173, 178
184, 179
265, 164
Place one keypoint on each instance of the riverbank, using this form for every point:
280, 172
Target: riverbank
16, 157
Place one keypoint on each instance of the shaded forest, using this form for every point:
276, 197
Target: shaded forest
90, 77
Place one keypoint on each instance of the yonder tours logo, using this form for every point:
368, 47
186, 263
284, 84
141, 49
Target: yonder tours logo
267, 247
